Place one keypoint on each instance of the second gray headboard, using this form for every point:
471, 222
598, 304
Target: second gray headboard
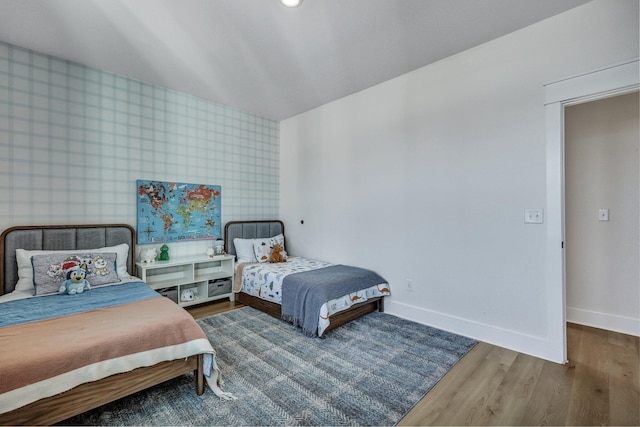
250, 230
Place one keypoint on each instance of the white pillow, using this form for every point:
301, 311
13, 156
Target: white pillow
244, 250
25, 268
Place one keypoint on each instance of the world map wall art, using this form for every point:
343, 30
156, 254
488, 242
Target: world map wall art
175, 211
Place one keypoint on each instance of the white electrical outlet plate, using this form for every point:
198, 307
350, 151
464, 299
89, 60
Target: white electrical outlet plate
534, 216
603, 214
410, 285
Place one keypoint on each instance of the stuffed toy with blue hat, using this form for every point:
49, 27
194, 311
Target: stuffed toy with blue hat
76, 282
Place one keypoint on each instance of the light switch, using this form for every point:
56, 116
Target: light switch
603, 214
534, 216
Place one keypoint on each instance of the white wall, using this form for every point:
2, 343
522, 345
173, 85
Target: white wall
426, 176
602, 257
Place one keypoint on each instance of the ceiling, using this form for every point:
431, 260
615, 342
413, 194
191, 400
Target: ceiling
258, 55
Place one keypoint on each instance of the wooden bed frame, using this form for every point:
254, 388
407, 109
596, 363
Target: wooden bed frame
90, 395
270, 228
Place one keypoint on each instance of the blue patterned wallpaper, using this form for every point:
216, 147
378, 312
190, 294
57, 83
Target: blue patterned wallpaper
73, 141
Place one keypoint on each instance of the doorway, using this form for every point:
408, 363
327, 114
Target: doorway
602, 218
611, 81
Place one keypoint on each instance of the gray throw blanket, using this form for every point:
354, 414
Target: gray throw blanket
304, 293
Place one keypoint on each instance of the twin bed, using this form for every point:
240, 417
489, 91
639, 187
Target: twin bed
348, 292
65, 354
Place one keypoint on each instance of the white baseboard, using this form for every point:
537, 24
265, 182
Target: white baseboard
502, 337
610, 322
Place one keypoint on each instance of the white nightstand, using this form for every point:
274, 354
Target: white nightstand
209, 278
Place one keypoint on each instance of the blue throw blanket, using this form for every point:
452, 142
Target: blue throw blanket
56, 305
304, 293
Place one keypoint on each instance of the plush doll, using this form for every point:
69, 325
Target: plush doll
277, 255
187, 295
75, 283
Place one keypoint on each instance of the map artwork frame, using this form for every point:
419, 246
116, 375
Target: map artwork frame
177, 212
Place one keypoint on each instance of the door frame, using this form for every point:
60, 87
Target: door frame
611, 81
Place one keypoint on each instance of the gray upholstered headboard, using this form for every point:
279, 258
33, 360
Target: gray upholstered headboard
59, 237
250, 230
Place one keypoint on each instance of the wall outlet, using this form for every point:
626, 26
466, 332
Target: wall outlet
603, 214
410, 285
534, 216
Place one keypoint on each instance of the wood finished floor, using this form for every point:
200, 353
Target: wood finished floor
494, 386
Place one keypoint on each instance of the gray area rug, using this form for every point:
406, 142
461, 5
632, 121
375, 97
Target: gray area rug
371, 371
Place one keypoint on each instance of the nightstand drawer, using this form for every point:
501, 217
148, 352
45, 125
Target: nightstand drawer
171, 293
219, 287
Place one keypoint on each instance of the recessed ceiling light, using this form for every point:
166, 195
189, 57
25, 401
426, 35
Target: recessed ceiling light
291, 3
